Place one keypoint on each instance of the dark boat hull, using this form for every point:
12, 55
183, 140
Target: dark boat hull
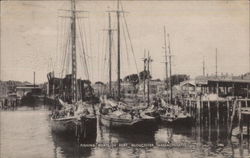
82, 128
176, 121
116, 122
88, 127
32, 100
140, 125
64, 125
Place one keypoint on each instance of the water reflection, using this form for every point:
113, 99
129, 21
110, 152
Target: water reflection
65, 146
119, 136
28, 134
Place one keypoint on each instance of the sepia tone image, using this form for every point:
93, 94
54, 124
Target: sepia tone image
124, 78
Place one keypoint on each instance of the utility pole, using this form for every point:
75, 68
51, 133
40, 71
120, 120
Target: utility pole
203, 68
216, 62
34, 79
170, 70
166, 57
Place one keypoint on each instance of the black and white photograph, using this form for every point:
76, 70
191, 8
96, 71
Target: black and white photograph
124, 79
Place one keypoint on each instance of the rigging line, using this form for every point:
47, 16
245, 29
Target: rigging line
65, 54
90, 61
66, 49
82, 58
107, 71
60, 37
61, 31
101, 56
84, 36
57, 39
105, 59
63, 37
132, 49
83, 50
79, 63
84, 73
111, 55
126, 48
105, 49
82, 64
60, 44
114, 50
91, 50
69, 59
98, 54
104, 54
59, 58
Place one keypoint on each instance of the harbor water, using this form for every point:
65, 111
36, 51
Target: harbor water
26, 133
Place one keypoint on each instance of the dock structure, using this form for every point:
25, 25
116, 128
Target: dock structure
242, 111
219, 101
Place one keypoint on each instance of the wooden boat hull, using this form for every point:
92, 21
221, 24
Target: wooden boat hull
138, 125
64, 125
88, 127
172, 120
83, 127
116, 122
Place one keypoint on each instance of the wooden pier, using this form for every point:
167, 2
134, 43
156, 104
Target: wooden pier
218, 100
9, 103
230, 112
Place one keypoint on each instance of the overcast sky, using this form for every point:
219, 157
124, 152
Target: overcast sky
32, 32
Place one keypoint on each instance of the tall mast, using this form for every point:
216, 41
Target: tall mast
144, 77
148, 76
73, 50
166, 57
110, 55
118, 51
170, 70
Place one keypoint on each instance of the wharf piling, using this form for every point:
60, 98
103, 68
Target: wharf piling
220, 113
9, 103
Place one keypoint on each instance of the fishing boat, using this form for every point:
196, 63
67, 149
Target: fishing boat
113, 114
173, 114
118, 112
73, 119
175, 117
73, 115
170, 112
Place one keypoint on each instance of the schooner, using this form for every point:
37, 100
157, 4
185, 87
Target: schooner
115, 112
75, 116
